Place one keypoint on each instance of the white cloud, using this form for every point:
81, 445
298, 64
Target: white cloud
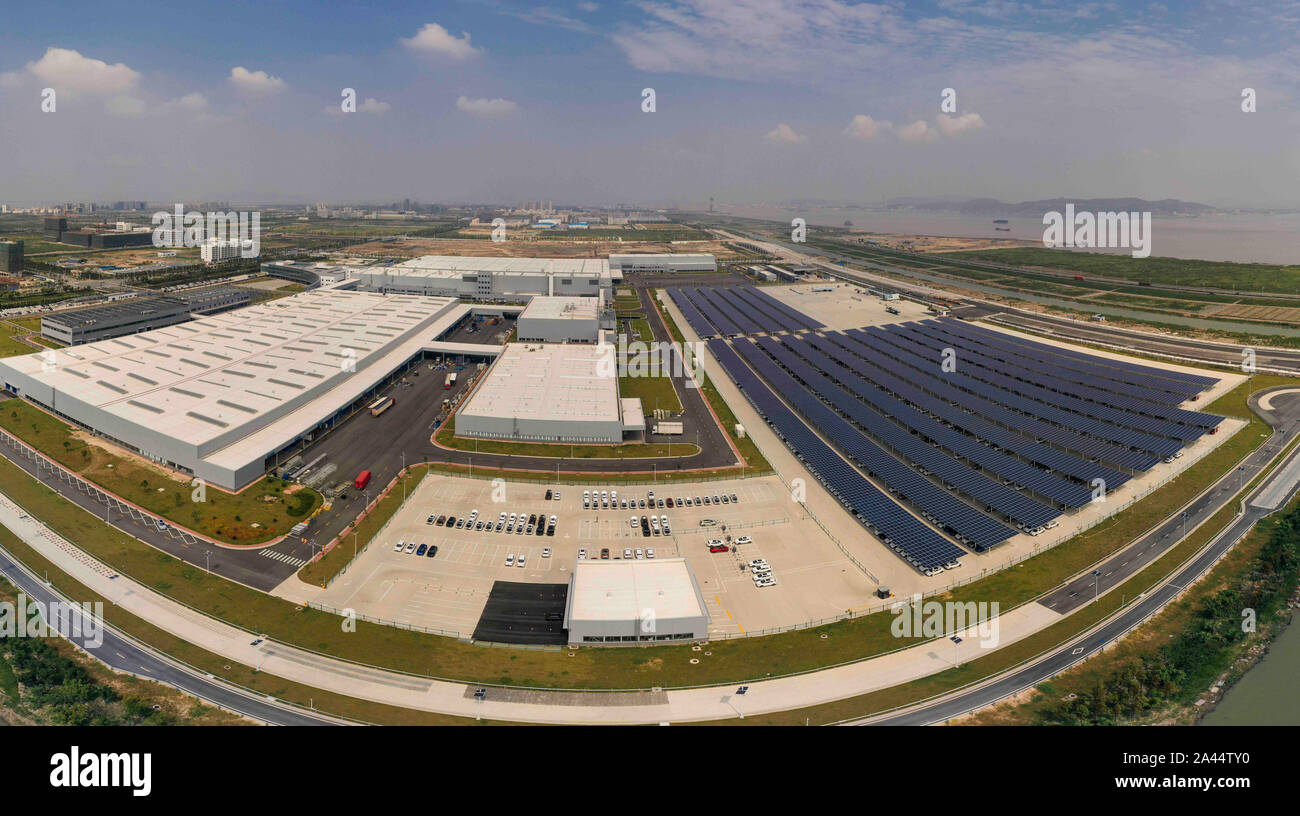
193, 102
372, 105
434, 39
68, 72
256, 82
588, 6
485, 107
124, 105
956, 125
783, 134
918, 131
865, 128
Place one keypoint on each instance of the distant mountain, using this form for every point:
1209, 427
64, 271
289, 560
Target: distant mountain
1035, 209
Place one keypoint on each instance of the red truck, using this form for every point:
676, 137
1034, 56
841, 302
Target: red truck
1078, 277
363, 479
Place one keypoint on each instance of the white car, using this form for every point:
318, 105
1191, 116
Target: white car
399, 546
627, 553
766, 582
952, 565
582, 554
744, 540
650, 552
546, 552
632, 521
410, 547
510, 560
521, 560
759, 563
713, 542
639, 553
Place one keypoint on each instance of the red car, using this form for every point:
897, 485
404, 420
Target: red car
717, 548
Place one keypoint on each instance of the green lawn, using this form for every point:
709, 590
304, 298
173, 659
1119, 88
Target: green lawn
263, 511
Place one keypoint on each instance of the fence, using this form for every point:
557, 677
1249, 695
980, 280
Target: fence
43, 465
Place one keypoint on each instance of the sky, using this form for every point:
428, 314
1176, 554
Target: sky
755, 101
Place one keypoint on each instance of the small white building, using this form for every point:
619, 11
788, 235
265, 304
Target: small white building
560, 320
213, 251
634, 601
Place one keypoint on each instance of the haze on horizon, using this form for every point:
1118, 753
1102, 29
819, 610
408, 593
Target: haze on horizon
756, 101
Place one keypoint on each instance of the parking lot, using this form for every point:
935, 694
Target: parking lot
450, 591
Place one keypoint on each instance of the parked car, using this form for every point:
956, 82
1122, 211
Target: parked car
510, 560
422, 549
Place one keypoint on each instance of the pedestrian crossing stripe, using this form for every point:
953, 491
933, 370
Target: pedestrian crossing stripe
279, 556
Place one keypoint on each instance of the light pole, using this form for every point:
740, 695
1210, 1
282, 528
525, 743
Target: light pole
1096, 584
207, 557
740, 700
479, 696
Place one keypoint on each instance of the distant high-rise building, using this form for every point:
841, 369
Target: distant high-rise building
11, 257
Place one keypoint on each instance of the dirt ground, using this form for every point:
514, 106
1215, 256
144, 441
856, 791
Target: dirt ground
934, 243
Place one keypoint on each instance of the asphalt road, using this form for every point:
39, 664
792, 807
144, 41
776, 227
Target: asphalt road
1146, 605
124, 654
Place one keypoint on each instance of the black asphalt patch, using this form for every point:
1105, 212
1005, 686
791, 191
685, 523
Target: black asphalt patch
516, 613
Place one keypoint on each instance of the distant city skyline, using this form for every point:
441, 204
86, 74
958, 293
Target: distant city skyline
755, 102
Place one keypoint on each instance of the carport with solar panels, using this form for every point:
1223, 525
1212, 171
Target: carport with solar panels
1018, 434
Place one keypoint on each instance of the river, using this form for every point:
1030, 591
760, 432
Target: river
1232, 237
1265, 695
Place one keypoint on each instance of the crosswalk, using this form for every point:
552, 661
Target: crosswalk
287, 559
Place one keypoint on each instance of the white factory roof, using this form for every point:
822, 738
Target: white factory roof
621, 590
200, 380
555, 381
618, 260
448, 265
558, 308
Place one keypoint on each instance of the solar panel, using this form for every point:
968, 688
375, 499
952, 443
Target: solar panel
899, 530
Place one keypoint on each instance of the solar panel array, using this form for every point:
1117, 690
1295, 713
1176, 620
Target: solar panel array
1017, 432
901, 531
925, 457
1122, 427
729, 311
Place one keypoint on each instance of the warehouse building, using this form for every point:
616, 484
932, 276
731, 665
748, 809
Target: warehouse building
221, 397
493, 279
310, 275
548, 392
622, 601
662, 264
560, 320
79, 326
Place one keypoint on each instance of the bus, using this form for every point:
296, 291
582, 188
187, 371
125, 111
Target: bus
451, 380
380, 405
363, 479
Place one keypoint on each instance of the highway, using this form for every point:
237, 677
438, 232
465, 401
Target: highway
120, 652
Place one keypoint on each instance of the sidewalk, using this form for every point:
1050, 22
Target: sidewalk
457, 699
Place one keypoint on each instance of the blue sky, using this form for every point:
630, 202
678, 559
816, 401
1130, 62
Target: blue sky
757, 101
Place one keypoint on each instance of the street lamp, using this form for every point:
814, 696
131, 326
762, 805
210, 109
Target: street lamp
740, 700
479, 695
1096, 584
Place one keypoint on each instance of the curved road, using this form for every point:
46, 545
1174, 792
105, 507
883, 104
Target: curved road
127, 655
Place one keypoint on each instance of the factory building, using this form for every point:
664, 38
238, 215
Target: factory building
549, 392
560, 320
493, 279
78, 326
634, 601
56, 230
310, 275
221, 397
663, 264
